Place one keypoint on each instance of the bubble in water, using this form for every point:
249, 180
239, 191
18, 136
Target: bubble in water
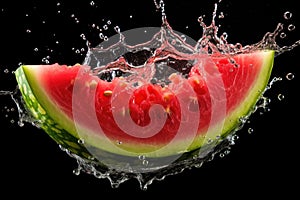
287, 15
6, 71
290, 76
28, 31
92, 3
36, 49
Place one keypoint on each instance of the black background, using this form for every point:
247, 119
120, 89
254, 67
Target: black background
264, 163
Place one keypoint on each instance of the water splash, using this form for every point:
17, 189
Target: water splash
209, 43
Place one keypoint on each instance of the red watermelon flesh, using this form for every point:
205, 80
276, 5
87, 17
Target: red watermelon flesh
90, 108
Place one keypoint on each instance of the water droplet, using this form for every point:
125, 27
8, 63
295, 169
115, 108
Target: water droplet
183, 37
105, 27
45, 60
200, 18
82, 36
209, 141
250, 130
291, 27
76, 171
221, 155
235, 137
119, 142
142, 157
117, 29
21, 123
287, 15
243, 120
80, 141
130, 16
77, 51
101, 35
62, 148
282, 35
198, 165
221, 15
36, 49
28, 31
224, 36
290, 76
108, 22
92, 3
145, 162
280, 97
227, 151
12, 121
6, 71
58, 4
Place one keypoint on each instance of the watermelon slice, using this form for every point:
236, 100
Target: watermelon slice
80, 111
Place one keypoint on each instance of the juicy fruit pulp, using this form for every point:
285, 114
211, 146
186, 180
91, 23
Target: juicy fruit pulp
72, 104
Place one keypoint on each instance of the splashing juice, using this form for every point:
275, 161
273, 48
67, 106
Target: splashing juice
163, 106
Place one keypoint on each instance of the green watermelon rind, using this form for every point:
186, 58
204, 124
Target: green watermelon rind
249, 103
45, 122
62, 129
